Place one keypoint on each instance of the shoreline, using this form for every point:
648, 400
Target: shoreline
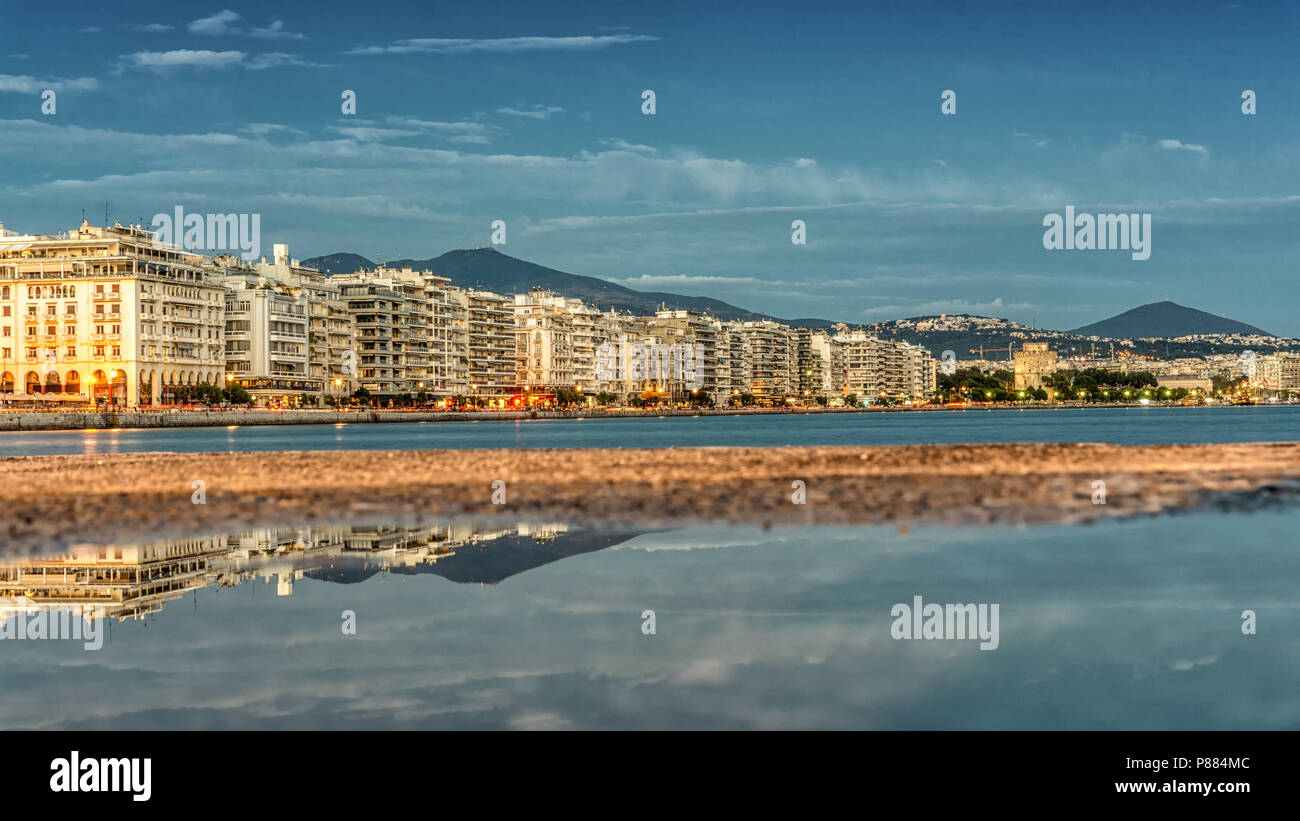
12, 421
56, 501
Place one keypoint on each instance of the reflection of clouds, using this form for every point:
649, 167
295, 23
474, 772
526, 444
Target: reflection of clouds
1117, 625
1182, 666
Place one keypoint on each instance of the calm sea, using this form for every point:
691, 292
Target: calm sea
1139, 425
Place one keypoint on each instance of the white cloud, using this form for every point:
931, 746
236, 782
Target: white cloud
275, 31
206, 59
275, 59
502, 45
371, 134
623, 145
1176, 145
183, 58
23, 84
536, 112
152, 28
216, 25
222, 24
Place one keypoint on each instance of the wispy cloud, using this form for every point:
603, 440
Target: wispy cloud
1177, 145
275, 31
206, 59
620, 144
224, 24
503, 45
23, 84
183, 58
216, 25
151, 28
536, 112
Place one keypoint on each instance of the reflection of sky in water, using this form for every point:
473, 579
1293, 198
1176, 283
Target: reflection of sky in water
1118, 625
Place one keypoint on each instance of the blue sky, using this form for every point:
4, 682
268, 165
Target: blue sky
530, 112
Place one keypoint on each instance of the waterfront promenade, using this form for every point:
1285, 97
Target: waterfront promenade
89, 420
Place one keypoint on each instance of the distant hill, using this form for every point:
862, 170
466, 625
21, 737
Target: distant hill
1165, 319
338, 263
491, 270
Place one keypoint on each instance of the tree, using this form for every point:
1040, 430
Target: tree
567, 396
237, 395
361, 396
700, 398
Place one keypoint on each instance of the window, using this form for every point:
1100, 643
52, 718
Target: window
117, 350
99, 350
7, 310
71, 309
70, 330
51, 310
72, 351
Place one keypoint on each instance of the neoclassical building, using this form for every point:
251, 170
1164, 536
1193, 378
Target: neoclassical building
106, 313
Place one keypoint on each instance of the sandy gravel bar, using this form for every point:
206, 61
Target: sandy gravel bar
47, 502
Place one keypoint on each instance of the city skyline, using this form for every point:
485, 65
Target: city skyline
532, 115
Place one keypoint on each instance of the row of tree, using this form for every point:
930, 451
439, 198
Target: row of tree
208, 394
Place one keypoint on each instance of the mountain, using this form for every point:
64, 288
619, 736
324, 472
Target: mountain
1165, 319
491, 270
338, 263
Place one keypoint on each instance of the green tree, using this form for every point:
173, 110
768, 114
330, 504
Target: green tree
237, 395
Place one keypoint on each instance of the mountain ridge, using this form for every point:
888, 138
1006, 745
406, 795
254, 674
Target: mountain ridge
491, 270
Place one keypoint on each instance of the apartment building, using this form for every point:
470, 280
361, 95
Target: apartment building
266, 338
818, 363
489, 345
544, 330
106, 314
872, 368
379, 313
763, 358
710, 344
1276, 372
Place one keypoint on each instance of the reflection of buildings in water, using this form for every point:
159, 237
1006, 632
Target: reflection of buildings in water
132, 581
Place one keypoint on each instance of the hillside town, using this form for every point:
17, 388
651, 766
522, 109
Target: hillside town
113, 317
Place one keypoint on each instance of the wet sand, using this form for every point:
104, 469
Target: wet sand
47, 502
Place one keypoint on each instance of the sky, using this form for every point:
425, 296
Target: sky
765, 113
